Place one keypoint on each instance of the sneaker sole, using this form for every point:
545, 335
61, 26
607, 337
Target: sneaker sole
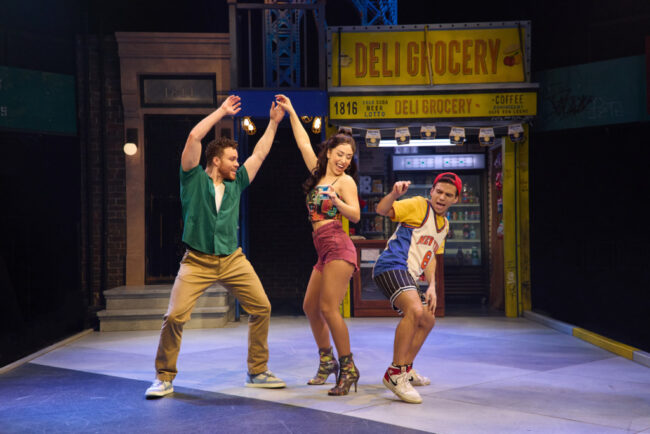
266, 386
153, 395
403, 398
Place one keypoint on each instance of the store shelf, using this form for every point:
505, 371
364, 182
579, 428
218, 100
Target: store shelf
462, 205
459, 240
464, 221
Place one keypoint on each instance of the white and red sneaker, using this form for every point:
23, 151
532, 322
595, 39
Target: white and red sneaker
397, 380
416, 379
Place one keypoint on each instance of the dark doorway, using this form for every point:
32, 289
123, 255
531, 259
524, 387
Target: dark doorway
165, 137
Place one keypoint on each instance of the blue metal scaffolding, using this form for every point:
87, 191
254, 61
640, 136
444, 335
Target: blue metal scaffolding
377, 12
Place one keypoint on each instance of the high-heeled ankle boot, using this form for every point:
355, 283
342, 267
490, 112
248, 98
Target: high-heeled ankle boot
348, 375
328, 365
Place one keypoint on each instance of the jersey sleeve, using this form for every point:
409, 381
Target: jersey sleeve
411, 211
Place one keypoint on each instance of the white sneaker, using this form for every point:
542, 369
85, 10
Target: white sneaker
418, 380
159, 389
397, 380
266, 380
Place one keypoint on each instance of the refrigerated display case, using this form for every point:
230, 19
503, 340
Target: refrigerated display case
372, 188
465, 246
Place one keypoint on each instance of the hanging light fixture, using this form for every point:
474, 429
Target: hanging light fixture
402, 135
486, 136
428, 132
306, 119
131, 145
315, 127
373, 138
457, 136
516, 133
248, 125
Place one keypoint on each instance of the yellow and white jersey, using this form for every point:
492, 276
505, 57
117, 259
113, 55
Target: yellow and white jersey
420, 234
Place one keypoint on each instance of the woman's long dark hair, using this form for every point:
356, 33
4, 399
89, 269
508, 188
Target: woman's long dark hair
342, 136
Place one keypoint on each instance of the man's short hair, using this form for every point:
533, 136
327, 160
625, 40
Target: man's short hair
215, 148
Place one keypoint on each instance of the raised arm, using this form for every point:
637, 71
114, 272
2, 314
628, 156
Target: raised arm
301, 136
385, 205
192, 151
263, 146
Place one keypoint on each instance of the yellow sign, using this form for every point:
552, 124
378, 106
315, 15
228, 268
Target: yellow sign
427, 57
481, 105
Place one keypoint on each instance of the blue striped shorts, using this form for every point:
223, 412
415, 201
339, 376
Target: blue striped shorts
395, 282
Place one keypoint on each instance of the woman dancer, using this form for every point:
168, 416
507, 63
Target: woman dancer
331, 193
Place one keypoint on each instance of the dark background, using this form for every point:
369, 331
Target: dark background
589, 187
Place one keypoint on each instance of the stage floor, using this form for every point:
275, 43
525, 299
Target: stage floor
489, 374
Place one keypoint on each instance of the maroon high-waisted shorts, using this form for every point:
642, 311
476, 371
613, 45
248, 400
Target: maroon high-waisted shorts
332, 243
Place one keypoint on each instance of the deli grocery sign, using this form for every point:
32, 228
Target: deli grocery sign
425, 106
429, 54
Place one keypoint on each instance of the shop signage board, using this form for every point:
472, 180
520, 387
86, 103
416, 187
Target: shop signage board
422, 106
593, 94
422, 55
37, 101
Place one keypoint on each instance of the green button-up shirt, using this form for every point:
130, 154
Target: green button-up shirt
204, 229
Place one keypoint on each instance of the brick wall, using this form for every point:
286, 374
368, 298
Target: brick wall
101, 132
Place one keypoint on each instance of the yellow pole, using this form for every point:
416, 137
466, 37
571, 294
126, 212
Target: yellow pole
523, 224
512, 295
345, 304
345, 307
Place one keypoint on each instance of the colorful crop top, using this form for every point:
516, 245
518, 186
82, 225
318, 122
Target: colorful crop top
320, 209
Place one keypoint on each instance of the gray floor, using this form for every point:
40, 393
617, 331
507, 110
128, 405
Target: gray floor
489, 374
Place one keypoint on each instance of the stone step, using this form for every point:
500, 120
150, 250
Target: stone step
157, 296
151, 319
143, 307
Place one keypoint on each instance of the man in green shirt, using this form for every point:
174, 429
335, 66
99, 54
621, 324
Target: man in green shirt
210, 204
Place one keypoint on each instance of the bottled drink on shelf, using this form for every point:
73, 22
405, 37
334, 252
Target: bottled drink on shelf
472, 233
466, 231
460, 257
464, 195
475, 258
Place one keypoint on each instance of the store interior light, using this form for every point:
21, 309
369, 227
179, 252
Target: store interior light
306, 119
315, 127
415, 142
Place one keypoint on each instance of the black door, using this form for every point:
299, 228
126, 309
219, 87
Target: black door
165, 137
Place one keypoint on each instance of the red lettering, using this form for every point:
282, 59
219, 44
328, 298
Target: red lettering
384, 61
480, 67
454, 67
494, 53
373, 59
441, 58
361, 58
412, 59
467, 44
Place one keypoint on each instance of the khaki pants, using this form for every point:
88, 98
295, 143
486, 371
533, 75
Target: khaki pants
197, 272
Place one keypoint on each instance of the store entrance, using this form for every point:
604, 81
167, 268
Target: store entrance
165, 137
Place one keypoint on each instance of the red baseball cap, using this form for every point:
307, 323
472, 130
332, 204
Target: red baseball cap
450, 177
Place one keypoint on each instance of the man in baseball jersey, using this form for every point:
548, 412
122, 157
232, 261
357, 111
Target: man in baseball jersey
409, 253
